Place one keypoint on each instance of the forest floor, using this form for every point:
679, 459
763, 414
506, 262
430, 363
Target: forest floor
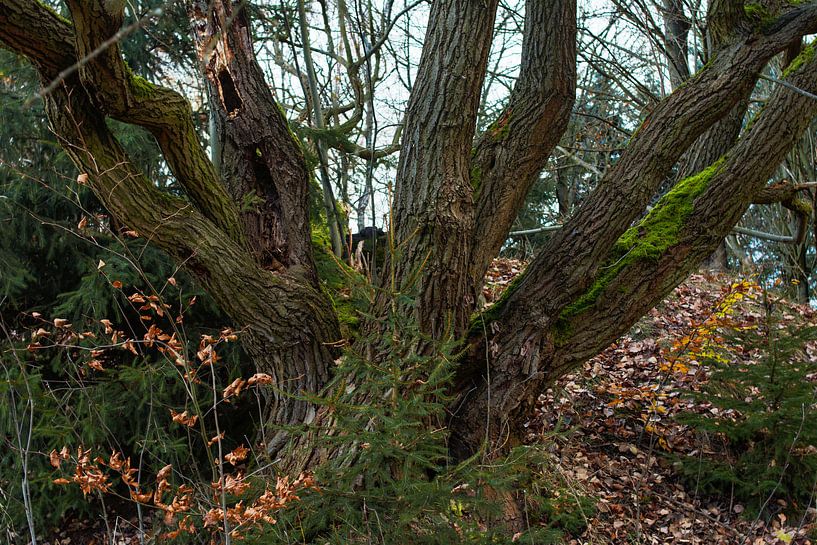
611, 429
613, 433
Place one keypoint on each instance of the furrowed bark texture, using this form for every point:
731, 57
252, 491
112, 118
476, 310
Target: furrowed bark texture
433, 201
727, 25
509, 156
718, 197
261, 161
288, 325
115, 91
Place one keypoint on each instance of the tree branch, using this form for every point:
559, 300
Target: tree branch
568, 264
508, 157
643, 266
165, 113
260, 157
38, 33
764, 236
725, 191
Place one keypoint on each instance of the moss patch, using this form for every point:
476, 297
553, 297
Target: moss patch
805, 56
499, 129
55, 13
476, 178
758, 14
343, 284
139, 86
648, 240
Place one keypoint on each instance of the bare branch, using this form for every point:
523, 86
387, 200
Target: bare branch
765, 236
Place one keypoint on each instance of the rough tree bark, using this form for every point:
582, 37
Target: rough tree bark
288, 324
456, 193
725, 20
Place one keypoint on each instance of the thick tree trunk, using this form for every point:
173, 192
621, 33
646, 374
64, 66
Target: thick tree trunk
569, 306
724, 29
454, 202
262, 164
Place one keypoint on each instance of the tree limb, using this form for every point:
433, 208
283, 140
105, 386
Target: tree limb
508, 157
735, 182
568, 263
433, 215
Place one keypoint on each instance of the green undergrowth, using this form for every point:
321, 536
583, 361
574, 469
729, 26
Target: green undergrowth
476, 178
394, 482
761, 424
646, 241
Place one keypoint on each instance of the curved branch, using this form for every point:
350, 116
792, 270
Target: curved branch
38, 33
644, 265
568, 264
772, 237
165, 113
508, 157
288, 324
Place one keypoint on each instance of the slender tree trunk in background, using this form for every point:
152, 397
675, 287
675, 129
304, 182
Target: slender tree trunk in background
802, 291
676, 33
329, 204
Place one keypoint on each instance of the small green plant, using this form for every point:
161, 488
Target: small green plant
762, 415
389, 479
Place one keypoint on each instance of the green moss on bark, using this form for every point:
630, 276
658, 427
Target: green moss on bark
499, 129
342, 283
805, 56
476, 178
757, 13
647, 241
55, 13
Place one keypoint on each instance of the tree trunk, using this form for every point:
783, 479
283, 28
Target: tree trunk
456, 196
433, 194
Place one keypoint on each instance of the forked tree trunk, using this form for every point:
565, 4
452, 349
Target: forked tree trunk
245, 236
